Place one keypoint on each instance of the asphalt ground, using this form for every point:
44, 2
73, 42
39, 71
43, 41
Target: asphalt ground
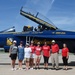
5, 67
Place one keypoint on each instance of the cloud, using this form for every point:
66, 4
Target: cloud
42, 6
64, 22
52, 1
45, 6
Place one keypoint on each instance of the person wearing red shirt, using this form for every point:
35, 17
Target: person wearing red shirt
32, 46
65, 55
46, 54
38, 50
54, 55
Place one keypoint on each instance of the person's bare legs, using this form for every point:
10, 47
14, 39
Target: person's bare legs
46, 65
13, 64
20, 64
31, 62
38, 60
27, 65
35, 62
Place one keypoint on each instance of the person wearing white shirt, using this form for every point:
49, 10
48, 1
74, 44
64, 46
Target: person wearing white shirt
27, 54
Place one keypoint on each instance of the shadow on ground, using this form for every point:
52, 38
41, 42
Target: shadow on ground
72, 63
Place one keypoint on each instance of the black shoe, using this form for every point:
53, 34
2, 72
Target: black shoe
38, 67
52, 68
35, 68
57, 69
46, 68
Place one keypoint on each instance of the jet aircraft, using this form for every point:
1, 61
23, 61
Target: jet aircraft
45, 32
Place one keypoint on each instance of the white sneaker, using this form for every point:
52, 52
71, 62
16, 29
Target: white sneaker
26, 69
31, 68
12, 69
15, 69
20, 69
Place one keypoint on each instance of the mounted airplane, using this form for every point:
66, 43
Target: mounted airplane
45, 32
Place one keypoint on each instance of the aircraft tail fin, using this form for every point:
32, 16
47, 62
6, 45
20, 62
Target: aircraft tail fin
12, 29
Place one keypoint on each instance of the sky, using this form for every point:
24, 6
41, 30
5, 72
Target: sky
60, 12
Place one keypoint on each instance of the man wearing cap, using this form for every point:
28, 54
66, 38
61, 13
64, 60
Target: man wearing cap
54, 55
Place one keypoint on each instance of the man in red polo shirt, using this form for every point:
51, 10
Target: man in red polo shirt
54, 55
46, 55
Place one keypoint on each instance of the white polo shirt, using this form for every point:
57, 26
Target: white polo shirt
27, 52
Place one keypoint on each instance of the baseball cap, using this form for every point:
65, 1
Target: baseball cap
53, 41
14, 41
32, 42
38, 43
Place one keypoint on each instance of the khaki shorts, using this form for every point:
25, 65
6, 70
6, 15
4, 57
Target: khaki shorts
37, 56
27, 59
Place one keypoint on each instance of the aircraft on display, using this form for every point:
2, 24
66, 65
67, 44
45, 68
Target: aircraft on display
45, 31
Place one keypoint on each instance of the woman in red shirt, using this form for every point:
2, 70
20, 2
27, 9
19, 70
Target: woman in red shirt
65, 55
38, 50
46, 55
32, 46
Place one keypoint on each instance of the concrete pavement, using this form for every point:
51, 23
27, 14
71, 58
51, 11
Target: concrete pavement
5, 67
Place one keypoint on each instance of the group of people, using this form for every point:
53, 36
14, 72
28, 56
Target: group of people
32, 54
